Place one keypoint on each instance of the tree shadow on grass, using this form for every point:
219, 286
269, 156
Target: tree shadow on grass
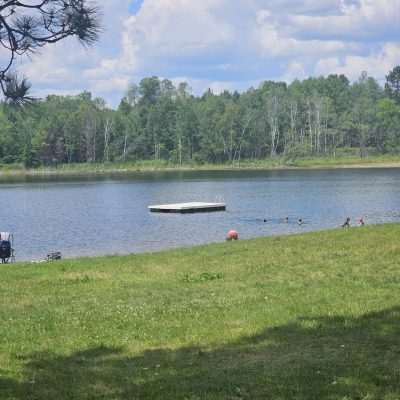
312, 358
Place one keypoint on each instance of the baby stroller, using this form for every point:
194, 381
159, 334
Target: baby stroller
6, 247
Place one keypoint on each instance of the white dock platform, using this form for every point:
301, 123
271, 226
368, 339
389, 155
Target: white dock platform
185, 208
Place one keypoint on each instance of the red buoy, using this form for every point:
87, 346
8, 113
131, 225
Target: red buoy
232, 235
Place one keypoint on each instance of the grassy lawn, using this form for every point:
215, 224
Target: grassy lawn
314, 316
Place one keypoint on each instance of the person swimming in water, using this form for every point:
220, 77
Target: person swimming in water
346, 223
300, 221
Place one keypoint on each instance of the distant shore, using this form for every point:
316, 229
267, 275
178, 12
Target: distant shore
160, 166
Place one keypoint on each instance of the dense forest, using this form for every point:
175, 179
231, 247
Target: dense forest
156, 120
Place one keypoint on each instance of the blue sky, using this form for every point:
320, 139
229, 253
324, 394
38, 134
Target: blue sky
222, 44
135, 6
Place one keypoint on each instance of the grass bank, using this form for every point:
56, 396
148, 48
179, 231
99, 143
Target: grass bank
149, 166
314, 316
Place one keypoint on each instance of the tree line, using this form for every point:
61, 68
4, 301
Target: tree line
160, 121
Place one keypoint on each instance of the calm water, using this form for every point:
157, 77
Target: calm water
109, 215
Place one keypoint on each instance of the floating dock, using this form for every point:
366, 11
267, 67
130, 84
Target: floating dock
186, 208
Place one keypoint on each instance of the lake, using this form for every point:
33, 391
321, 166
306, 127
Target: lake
87, 216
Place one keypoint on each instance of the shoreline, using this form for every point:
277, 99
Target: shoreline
104, 170
202, 246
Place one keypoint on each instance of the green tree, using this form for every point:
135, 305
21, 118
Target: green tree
392, 86
389, 125
365, 94
27, 26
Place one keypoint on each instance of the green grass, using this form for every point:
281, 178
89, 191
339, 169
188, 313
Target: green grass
344, 160
313, 316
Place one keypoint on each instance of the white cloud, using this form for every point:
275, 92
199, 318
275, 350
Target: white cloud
277, 44
365, 20
119, 83
295, 70
376, 65
223, 44
180, 26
